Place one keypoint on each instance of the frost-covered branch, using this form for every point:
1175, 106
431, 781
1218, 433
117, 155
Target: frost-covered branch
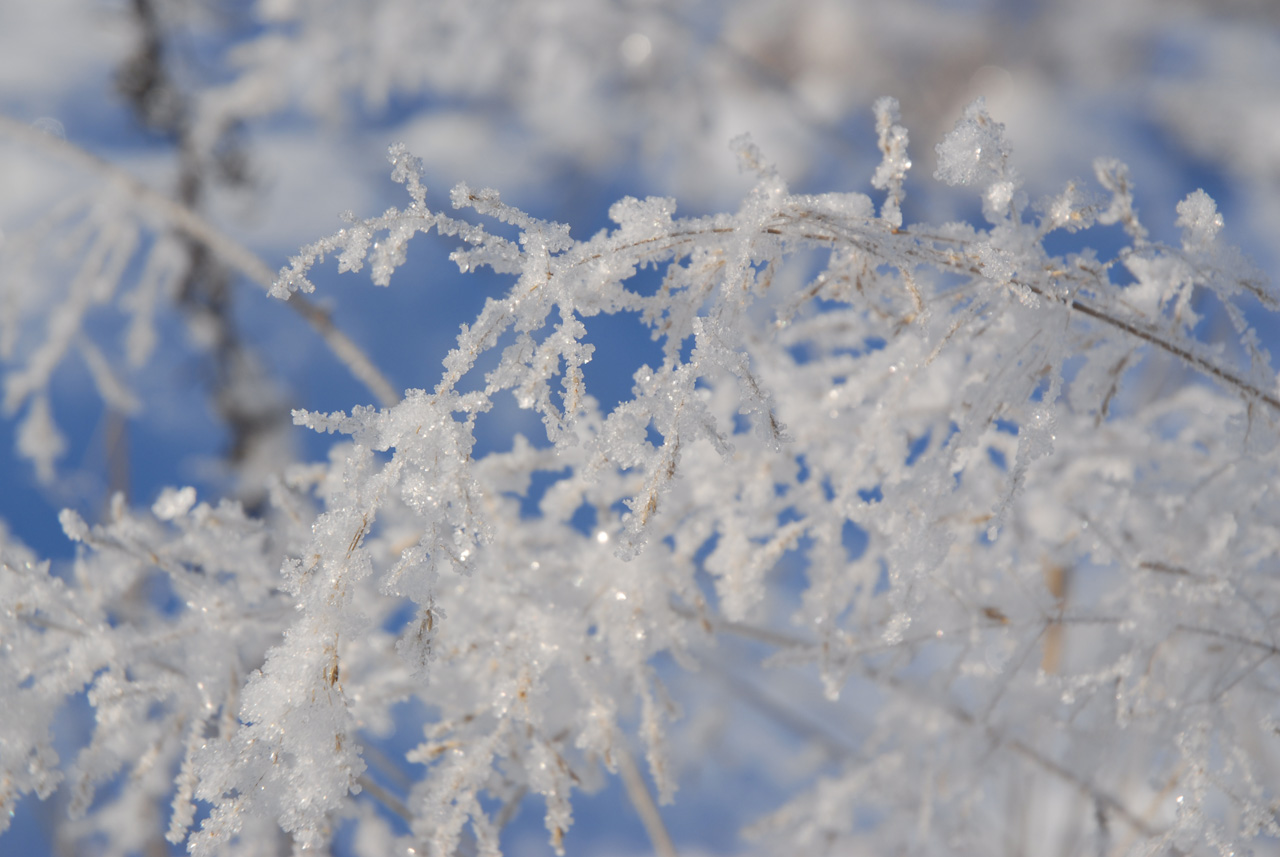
1009, 519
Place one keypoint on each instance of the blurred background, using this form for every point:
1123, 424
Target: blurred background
153, 364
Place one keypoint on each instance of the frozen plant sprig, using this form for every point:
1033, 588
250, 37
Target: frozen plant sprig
1035, 557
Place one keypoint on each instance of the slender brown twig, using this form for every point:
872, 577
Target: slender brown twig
642, 800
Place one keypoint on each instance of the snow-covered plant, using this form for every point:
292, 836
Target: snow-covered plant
990, 527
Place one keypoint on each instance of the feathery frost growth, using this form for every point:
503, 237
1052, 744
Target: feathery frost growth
996, 524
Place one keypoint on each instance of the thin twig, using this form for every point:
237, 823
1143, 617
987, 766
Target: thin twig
642, 800
389, 769
350, 354
385, 797
510, 808
798, 722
